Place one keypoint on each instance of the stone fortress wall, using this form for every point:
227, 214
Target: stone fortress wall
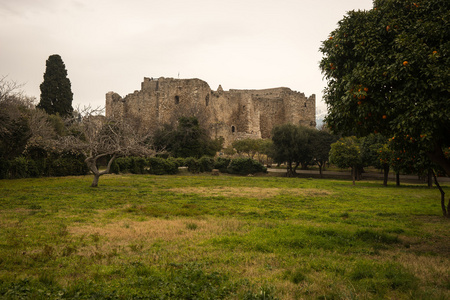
233, 114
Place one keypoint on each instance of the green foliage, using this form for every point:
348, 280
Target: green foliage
388, 72
58, 124
120, 165
370, 150
206, 164
244, 166
193, 165
293, 145
246, 146
15, 129
56, 92
346, 153
321, 141
4, 168
66, 164
160, 166
178, 161
52, 164
187, 140
19, 168
140, 165
222, 163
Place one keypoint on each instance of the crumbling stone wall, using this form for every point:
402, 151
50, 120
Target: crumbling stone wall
232, 114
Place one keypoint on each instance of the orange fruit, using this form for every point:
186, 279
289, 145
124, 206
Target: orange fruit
405, 62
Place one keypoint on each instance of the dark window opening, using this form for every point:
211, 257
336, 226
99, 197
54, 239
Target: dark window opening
177, 99
305, 104
233, 129
207, 100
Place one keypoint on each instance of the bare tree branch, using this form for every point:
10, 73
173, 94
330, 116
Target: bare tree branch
99, 137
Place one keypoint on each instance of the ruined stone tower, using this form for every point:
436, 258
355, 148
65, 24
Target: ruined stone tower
233, 114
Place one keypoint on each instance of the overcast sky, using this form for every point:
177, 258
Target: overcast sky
110, 45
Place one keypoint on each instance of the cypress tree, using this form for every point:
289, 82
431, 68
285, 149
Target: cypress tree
56, 92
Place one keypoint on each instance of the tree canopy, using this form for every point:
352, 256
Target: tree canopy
56, 92
189, 139
346, 153
292, 144
388, 71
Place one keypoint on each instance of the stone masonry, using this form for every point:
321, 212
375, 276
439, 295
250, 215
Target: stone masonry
233, 114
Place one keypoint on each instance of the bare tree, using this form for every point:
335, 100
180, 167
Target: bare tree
9, 89
98, 136
20, 124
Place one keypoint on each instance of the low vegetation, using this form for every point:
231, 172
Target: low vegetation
220, 237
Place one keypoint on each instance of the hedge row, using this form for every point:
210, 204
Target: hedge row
161, 166
66, 165
140, 165
23, 167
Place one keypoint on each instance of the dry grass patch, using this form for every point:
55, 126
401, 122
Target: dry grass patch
249, 192
127, 232
429, 269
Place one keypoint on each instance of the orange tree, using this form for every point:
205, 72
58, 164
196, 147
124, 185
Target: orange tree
388, 71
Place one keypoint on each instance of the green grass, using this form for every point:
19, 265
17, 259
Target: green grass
225, 237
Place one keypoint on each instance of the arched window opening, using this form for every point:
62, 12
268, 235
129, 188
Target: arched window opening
233, 129
177, 99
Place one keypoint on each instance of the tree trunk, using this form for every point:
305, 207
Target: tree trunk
445, 212
95, 181
386, 174
91, 162
295, 168
320, 170
430, 178
354, 174
397, 178
289, 172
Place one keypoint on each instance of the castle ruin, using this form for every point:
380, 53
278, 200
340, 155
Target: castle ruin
233, 114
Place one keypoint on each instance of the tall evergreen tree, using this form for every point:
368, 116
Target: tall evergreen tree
56, 92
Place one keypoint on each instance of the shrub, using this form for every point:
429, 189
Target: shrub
192, 164
160, 166
138, 165
222, 164
33, 168
206, 164
4, 168
121, 165
65, 166
18, 167
178, 161
245, 166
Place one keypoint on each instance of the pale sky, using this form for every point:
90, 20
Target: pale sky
110, 45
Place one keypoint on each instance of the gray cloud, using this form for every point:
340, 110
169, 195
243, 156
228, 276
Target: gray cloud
111, 45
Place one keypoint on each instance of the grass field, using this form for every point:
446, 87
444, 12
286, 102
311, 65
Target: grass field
225, 237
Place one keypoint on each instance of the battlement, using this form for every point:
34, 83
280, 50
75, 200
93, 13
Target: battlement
231, 114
